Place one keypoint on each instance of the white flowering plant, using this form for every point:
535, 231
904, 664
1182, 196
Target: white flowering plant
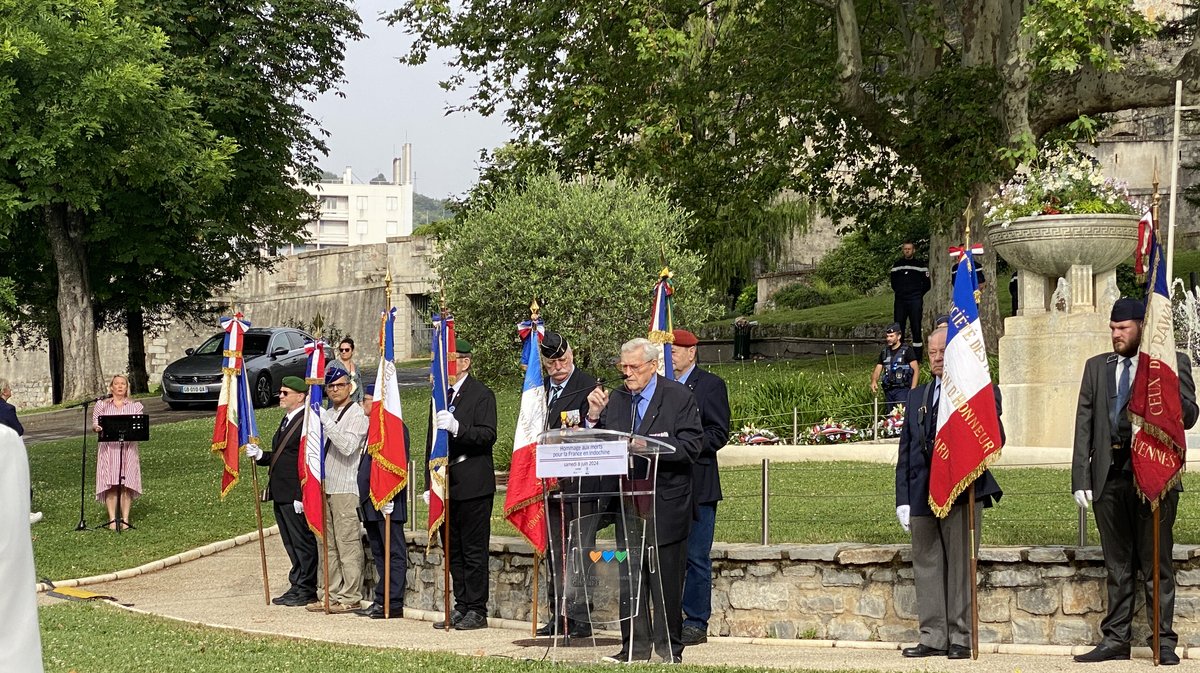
1062, 181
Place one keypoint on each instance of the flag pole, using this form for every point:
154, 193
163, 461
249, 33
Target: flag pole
971, 555
446, 501
537, 560
1154, 204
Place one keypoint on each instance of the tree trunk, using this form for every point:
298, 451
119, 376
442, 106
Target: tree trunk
54, 346
76, 316
135, 332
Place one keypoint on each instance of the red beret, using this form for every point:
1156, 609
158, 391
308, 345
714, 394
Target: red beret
685, 338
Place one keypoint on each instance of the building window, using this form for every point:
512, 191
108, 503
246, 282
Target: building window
393, 203
362, 203
337, 229
328, 203
362, 227
393, 227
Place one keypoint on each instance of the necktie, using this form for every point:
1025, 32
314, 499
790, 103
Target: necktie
637, 411
554, 393
1122, 392
449, 395
283, 422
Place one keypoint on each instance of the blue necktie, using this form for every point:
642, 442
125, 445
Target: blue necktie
637, 411
1122, 393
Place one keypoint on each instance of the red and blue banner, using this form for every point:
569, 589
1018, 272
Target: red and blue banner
439, 446
235, 426
968, 429
385, 436
312, 442
1159, 447
662, 322
523, 504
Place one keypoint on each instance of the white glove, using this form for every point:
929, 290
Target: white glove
447, 421
253, 452
425, 497
1082, 498
902, 513
388, 508
298, 506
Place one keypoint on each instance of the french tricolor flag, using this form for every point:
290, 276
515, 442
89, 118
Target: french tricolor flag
968, 429
312, 442
523, 505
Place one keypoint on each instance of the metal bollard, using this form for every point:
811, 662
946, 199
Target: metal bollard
766, 500
795, 426
1082, 526
875, 418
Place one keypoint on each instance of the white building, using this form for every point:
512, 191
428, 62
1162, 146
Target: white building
358, 213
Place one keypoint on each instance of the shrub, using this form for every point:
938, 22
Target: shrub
746, 300
856, 263
814, 293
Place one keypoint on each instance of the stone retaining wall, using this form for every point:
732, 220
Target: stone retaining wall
1028, 595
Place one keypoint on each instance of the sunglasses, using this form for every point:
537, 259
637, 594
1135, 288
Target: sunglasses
345, 350
336, 386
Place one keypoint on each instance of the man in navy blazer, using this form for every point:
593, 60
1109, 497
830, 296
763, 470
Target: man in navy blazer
375, 522
939, 546
713, 399
8, 413
657, 407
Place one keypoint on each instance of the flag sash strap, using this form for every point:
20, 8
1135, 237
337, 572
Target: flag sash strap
524, 506
1159, 447
385, 435
439, 453
967, 441
661, 321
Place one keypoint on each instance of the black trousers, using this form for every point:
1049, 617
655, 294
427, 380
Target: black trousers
1127, 539
375, 535
301, 547
910, 310
470, 532
659, 622
894, 396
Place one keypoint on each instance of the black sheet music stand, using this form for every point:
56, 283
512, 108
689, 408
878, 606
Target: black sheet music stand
121, 429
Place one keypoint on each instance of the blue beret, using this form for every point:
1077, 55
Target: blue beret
334, 373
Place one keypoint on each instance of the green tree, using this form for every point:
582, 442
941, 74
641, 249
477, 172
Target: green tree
864, 106
589, 251
85, 111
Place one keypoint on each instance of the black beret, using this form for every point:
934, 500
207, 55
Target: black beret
1127, 309
554, 345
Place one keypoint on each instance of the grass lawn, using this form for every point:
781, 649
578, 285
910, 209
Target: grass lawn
91, 638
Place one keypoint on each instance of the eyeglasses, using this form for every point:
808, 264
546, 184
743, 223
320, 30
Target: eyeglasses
335, 386
345, 350
632, 367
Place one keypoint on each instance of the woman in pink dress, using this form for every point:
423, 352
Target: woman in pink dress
117, 477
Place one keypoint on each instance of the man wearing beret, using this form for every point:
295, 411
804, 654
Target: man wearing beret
375, 522
470, 420
1101, 473
283, 486
713, 399
899, 367
345, 427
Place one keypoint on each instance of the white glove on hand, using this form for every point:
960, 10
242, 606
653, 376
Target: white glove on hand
425, 497
902, 513
253, 452
298, 506
388, 508
447, 421
1082, 498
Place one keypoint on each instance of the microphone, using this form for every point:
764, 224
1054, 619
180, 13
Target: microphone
85, 402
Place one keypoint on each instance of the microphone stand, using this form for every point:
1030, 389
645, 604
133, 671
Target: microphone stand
82, 525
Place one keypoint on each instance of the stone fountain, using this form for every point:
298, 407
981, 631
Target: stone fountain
1067, 283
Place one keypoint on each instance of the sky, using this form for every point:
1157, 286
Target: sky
387, 104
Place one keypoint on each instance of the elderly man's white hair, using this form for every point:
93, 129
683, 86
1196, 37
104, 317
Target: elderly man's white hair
643, 347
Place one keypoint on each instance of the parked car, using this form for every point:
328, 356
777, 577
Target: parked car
270, 353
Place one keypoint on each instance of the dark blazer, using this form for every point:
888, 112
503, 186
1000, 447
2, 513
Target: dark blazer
1093, 433
713, 399
673, 417
400, 502
573, 398
472, 472
916, 445
284, 477
8, 416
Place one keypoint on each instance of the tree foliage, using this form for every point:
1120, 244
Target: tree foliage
588, 251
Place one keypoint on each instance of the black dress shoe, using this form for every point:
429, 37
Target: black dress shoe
366, 612
471, 621
1167, 656
693, 635
922, 650
958, 652
455, 618
1103, 653
283, 598
549, 628
580, 630
298, 600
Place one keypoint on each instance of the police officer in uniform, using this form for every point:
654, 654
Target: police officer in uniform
910, 282
899, 369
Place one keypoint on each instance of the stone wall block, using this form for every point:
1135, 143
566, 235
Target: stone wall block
848, 629
871, 605
758, 596
869, 555
900, 633
1034, 630
783, 630
1082, 597
994, 606
995, 633
904, 601
842, 578
1187, 578
1187, 607
1014, 578
763, 570
1074, 631
1038, 601
821, 604
1046, 555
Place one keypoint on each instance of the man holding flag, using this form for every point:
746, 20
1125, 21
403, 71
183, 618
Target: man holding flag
1110, 465
951, 434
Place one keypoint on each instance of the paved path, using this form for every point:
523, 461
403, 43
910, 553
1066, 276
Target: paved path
224, 590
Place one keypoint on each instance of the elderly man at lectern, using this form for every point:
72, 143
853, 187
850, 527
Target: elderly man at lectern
656, 407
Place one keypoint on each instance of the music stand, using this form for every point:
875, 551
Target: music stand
121, 429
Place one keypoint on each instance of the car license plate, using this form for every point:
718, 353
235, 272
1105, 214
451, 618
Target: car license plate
193, 390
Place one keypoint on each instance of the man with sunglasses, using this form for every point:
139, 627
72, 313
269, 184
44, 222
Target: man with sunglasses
655, 406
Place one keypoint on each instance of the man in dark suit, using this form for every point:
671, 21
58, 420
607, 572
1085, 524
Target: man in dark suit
471, 421
940, 557
8, 413
283, 479
713, 400
656, 407
1101, 469
375, 521
567, 388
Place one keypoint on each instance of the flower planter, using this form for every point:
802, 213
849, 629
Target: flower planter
1049, 245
